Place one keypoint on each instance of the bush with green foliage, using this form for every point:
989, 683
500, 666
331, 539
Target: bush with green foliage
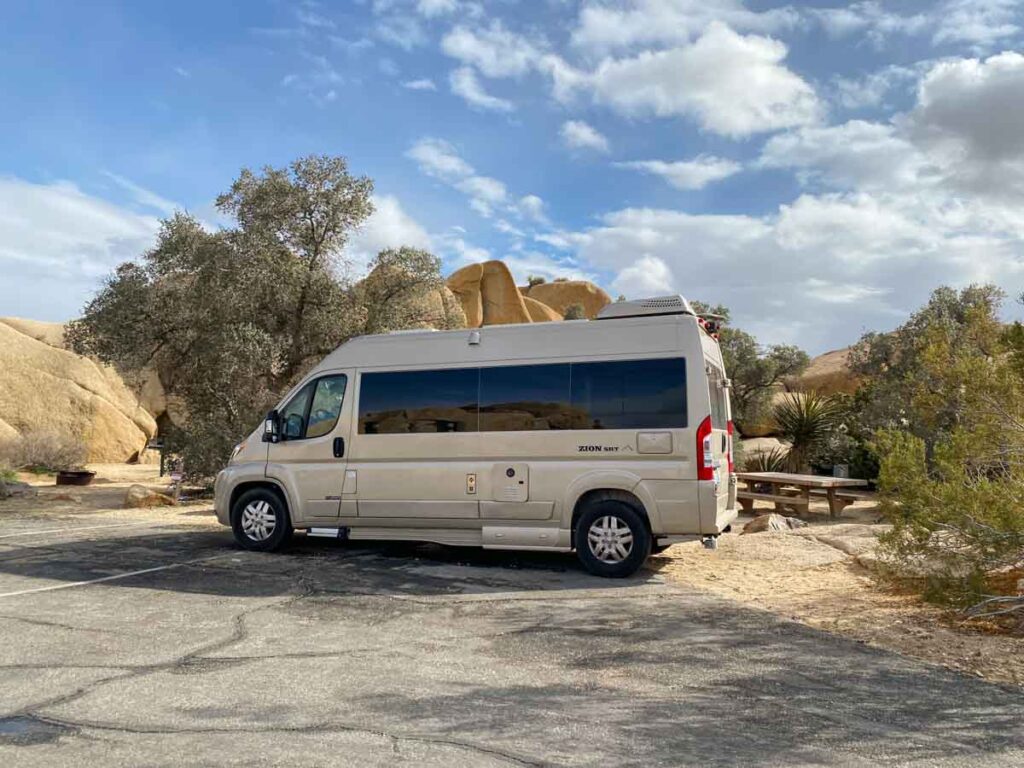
775, 460
533, 280
575, 312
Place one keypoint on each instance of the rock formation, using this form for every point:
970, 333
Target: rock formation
44, 387
563, 294
489, 296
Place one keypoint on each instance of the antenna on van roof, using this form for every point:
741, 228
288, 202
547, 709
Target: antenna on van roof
656, 305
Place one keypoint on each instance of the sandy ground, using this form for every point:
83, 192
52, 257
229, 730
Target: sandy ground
810, 575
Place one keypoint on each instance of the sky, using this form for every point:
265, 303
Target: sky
819, 168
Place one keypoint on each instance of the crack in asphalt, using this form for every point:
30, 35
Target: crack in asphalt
323, 727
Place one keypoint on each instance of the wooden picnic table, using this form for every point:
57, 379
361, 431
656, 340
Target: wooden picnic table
793, 492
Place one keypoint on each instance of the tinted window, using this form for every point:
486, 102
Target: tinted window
314, 409
520, 398
630, 394
419, 401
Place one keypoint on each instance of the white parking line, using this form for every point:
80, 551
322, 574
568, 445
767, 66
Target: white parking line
115, 577
75, 530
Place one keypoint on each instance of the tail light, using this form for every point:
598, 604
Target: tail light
732, 466
705, 452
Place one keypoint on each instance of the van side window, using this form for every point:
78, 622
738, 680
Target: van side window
521, 398
419, 401
314, 409
630, 394
719, 399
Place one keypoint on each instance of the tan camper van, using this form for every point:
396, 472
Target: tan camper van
611, 437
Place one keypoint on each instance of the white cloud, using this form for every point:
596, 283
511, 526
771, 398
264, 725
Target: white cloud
648, 276
729, 83
439, 159
872, 89
423, 84
57, 241
464, 83
982, 24
603, 27
493, 50
143, 196
577, 134
406, 32
687, 174
389, 226
531, 207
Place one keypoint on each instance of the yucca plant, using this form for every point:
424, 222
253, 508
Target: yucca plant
775, 460
805, 420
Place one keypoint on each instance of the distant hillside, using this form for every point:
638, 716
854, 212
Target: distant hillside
829, 373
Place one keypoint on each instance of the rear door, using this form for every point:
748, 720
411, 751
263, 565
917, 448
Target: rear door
721, 437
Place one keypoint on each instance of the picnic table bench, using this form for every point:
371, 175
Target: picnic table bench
792, 492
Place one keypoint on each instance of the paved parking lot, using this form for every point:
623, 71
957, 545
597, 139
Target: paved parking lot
384, 655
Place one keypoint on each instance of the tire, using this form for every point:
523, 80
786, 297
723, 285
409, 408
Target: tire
605, 531
260, 521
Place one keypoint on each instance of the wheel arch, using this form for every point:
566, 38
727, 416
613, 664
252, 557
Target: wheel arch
268, 485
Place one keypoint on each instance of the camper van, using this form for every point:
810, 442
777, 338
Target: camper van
609, 437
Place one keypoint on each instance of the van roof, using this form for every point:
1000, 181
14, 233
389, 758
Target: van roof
581, 339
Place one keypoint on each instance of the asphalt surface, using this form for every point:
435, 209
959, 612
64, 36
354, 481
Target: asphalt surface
146, 644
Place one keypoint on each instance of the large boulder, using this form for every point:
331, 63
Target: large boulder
46, 388
540, 313
140, 497
563, 294
489, 295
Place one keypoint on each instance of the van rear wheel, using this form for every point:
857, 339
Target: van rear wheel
612, 539
260, 521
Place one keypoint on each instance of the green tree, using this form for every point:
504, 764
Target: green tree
920, 376
231, 319
756, 371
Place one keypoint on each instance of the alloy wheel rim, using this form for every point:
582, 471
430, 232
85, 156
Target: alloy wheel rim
610, 539
259, 521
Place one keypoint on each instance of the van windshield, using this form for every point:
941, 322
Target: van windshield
719, 399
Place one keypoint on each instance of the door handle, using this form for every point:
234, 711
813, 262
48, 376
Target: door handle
339, 447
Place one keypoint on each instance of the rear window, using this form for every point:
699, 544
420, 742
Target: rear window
719, 399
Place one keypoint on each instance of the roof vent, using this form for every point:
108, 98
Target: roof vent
657, 305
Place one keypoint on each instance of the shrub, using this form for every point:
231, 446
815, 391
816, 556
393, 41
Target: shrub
561, 280
7, 473
43, 451
956, 523
533, 280
775, 460
805, 421
575, 312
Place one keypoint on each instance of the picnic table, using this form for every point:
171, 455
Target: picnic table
792, 492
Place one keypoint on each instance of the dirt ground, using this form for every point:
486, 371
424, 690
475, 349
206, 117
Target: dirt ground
812, 575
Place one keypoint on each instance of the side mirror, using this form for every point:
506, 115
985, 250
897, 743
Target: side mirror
272, 428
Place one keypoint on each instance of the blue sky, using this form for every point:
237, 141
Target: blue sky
817, 167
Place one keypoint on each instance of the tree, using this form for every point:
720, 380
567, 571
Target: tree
919, 376
404, 289
231, 319
533, 280
756, 371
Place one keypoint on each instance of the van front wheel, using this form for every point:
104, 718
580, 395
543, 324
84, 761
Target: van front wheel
260, 521
612, 539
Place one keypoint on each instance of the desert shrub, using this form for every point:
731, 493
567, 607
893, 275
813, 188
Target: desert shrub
805, 421
958, 520
561, 280
775, 460
43, 451
533, 280
7, 473
575, 312
849, 443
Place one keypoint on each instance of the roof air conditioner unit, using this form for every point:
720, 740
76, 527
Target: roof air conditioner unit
657, 305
